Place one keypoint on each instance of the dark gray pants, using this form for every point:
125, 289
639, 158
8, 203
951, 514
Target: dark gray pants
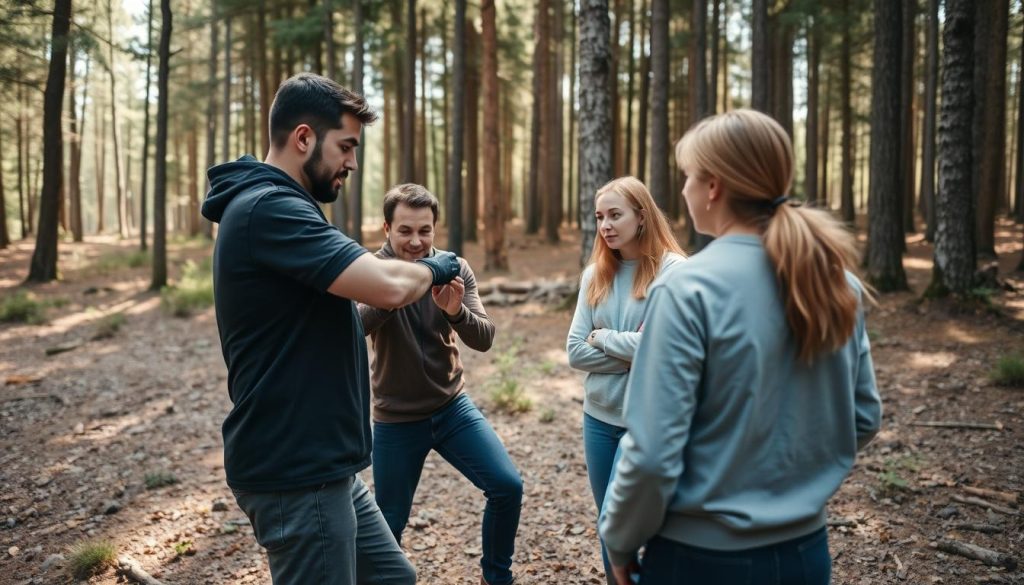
332, 534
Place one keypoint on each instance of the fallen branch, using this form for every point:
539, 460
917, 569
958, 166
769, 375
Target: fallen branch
986, 504
953, 424
986, 528
1009, 498
36, 396
130, 568
972, 551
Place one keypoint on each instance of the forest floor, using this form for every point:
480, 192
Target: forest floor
138, 400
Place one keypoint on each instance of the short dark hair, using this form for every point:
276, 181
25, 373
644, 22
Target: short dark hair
411, 194
315, 100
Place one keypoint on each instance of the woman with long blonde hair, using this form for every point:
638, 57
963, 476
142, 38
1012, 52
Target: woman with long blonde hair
753, 387
634, 246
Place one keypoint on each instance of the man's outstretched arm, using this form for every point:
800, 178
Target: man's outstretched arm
390, 284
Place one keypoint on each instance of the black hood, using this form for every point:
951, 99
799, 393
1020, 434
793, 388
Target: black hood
230, 179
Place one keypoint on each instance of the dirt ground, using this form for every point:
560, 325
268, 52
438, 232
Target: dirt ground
81, 430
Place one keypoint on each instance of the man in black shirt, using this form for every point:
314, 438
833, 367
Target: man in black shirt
284, 284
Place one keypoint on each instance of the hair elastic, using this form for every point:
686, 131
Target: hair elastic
779, 201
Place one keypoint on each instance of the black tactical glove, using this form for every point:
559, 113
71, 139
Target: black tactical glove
444, 266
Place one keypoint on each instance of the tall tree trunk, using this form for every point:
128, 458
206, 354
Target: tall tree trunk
811, 140
160, 162
266, 93
553, 215
572, 194
458, 118
357, 86
1018, 206
955, 259
532, 202
5, 237
446, 114
760, 50
725, 58
144, 188
118, 185
211, 110
43, 267
627, 159
193, 180
421, 135
824, 193
715, 39
846, 170
781, 83
408, 140
595, 107
659, 103
907, 85
472, 191
249, 86
100, 164
885, 233
616, 51
330, 63
496, 257
699, 64
225, 136
928, 131
74, 186
990, 115
645, 93
19, 143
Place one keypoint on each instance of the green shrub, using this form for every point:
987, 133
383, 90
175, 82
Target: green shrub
192, 293
891, 479
547, 415
108, 326
159, 479
91, 558
1009, 370
508, 396
22, 307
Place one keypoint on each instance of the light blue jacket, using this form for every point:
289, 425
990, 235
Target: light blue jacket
607, 362
733, 443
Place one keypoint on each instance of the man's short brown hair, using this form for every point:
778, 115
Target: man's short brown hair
411, 194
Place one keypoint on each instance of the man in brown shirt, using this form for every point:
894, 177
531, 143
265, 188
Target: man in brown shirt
417, 385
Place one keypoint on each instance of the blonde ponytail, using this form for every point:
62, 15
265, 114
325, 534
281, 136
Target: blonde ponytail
752, 156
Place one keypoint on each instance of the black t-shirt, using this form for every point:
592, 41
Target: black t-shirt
296, 355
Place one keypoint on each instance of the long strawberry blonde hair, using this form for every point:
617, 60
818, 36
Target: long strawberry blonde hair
654, 238
811, 251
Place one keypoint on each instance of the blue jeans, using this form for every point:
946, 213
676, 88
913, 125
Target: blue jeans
800, 561
331, 534
460, 434
601, 451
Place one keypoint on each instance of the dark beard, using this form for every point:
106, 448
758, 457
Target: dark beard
320, 183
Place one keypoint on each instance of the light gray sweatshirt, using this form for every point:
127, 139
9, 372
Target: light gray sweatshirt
607, 364
731, 442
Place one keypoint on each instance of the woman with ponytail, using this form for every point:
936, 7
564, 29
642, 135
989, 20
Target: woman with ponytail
635, 245
752, 388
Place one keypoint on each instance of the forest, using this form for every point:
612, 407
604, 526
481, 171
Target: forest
906, 119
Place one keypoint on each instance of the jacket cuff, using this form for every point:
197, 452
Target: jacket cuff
458, 318
600, 338
619, 559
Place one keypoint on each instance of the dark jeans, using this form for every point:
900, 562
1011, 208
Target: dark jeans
460, 434
800, 561
332, 534
601, 451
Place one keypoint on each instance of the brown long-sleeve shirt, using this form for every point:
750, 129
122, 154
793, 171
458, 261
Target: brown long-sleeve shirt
416, 368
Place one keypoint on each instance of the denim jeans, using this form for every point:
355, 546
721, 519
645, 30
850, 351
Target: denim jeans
601, 451
460, 434
800, 561
331, 534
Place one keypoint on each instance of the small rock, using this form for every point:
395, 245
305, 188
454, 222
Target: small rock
52, 561
111, 507
947, 512
13, 551
32, 552
219, 506
43, 480
80, 429
11, 522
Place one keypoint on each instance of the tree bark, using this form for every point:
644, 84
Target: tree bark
571, 169
266, 93
659, 103
225, 136
458, 130
760, 95
1018, 206
122, 225
595, 108
19, 143
211, 110
907, 150
990, 116
358, 52
955, 259
927, 198
811, 140
552, 154
885, 233
145, 124
645, 93
472, 191
100, 163
408, 140
5, 237
495, 255
74, 186
532, 204
160, 162
846, 108
421, 134
43, 267
699, 64
716, 30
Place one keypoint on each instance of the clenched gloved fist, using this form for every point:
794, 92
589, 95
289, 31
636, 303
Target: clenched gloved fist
444, 266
